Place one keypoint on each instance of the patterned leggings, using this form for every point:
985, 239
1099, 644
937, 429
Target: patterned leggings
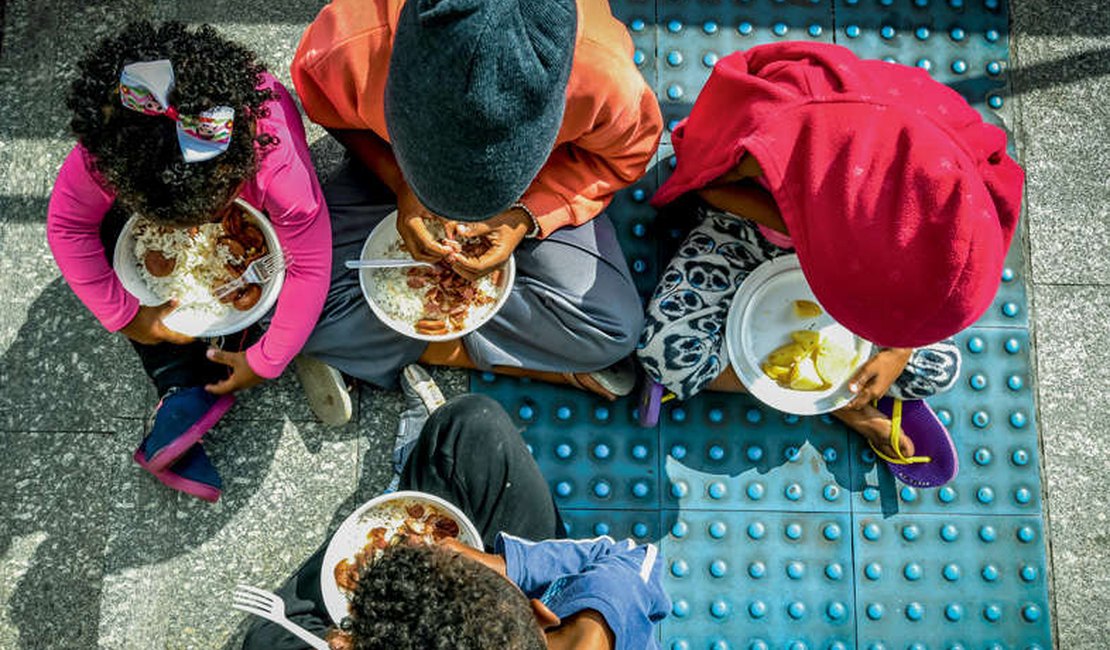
683, 342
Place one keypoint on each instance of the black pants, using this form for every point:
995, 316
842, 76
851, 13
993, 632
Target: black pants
169, 365
469, 453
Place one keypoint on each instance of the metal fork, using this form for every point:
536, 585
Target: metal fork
258, 272
271, 607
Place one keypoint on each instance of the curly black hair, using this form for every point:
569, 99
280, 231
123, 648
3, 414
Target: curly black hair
138, 154
417, 597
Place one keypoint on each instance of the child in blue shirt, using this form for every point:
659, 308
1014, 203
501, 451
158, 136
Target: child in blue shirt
585, 594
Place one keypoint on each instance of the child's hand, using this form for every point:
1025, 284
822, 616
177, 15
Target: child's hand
504, 231
411, 214
491, 560
147, 326
874, 378
242, 376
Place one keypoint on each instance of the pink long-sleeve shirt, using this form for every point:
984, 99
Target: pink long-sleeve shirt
285, 187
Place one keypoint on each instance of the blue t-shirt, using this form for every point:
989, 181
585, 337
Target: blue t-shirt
620, 580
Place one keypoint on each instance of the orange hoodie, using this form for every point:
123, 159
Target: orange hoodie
610, 129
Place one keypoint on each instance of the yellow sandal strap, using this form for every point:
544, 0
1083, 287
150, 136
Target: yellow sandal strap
895, 438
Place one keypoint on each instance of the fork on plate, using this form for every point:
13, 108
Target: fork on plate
271, 607
258, 272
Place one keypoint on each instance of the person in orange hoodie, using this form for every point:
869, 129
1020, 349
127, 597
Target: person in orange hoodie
511, 119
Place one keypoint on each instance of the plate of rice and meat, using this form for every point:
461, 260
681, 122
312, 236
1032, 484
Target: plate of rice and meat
384, 521
157, 262
430, 304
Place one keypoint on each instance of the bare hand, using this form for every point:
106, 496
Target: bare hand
420, 243
491, 560
242, 375
875, 377
147, 326
504, 231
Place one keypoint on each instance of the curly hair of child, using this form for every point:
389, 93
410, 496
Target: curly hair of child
417, 597
138, 154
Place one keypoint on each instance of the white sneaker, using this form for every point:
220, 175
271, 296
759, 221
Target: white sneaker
611, 383
422, 397
327, 393
414, 379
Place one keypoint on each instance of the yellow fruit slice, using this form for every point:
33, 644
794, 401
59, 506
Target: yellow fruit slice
807, 339
807, 309
787, 355
778, 373
805, 376
833, 362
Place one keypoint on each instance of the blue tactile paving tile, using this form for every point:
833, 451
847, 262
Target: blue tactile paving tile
935, 581
1009, 308
592, 452
640, 17
962, 43
747, 456
641, 525
990, 415
957, 568
636, 226
739, 580
694, 34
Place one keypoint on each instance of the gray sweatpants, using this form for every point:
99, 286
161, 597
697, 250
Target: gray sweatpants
573, 307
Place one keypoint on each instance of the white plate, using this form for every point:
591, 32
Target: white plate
761, 319
350, 538
189, 321
382, 239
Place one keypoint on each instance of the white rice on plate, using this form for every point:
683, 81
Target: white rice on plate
200, 265
390, 289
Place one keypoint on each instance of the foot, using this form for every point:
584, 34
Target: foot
327, 393
418, 386
870, 423
182, 418
192, 474
422, 397
611, 383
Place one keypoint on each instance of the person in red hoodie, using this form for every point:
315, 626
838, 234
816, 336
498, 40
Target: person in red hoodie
899, 201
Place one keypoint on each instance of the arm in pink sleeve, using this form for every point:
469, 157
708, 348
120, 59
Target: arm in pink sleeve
295, 203
77, 207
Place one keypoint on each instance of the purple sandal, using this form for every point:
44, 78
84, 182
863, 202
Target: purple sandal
936, 461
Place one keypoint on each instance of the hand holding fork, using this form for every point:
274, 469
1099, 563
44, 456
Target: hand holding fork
259, 271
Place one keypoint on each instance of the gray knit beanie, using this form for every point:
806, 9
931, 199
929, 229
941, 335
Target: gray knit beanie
475, 98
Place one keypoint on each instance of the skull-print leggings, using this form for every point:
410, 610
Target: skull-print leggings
683, 342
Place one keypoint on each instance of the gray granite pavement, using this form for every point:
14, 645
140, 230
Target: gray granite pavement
95, 554
1061, 54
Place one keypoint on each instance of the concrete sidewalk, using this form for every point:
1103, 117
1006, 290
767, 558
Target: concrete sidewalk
95, 553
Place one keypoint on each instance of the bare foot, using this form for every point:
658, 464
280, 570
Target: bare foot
870, 423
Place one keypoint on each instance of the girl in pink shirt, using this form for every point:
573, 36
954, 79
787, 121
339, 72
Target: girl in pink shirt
173, 124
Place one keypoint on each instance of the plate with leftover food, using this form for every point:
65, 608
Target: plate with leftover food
430, 303
786, 350
381, 522
156, 262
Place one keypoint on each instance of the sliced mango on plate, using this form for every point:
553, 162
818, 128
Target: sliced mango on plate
807, 309
810, 361
806, 338
805, 376
787, 355
834, 363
